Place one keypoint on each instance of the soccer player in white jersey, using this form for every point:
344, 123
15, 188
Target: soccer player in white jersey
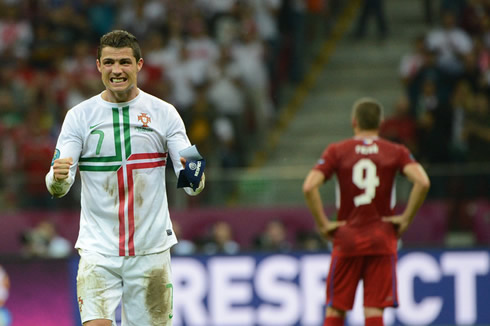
120, 141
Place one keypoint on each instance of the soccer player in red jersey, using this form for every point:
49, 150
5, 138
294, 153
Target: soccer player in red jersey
366, 231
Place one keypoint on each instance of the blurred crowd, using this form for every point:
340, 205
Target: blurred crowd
446, 76
223, 63
276, 237
444, 115
220, 62
44, 241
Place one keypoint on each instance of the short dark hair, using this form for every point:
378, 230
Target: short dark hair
368, 113
119, 39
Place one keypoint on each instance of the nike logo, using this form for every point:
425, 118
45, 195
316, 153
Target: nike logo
93, 126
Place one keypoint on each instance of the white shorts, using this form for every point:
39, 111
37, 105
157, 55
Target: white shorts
142, 282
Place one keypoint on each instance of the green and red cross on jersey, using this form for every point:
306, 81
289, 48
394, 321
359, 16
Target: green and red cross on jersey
121, 151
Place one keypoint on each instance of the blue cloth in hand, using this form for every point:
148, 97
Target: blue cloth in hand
191, 175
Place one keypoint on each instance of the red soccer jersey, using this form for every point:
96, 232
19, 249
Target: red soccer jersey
365, 170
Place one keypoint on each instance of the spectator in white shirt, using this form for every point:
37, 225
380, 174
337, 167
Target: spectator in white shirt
451, 44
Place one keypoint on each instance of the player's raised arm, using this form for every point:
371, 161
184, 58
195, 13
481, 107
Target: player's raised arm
59, 179
416, 174
61, 168
61, 175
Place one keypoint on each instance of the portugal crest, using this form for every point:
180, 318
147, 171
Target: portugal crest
145, 119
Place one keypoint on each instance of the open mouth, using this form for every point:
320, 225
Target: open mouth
118, 80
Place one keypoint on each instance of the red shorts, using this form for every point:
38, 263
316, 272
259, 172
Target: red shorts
378, 273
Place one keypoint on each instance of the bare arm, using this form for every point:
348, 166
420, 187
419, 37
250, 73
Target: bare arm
421, 184
314, 202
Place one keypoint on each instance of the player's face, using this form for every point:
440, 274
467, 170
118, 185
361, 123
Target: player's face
119, 71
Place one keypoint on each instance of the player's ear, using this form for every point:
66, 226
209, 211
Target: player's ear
140, 64
354, 122
98, 65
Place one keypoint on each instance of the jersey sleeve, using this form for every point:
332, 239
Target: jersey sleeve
327, 162
177, 140
69, 144
405, 157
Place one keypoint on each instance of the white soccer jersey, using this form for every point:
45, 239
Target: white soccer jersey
121, 150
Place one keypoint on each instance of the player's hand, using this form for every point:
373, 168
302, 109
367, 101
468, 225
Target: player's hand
183, 161
329, 229
61, 168
399, 221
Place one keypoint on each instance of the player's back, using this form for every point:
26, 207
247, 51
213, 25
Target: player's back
365, 169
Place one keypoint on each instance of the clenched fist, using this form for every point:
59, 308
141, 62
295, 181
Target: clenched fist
61, 168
